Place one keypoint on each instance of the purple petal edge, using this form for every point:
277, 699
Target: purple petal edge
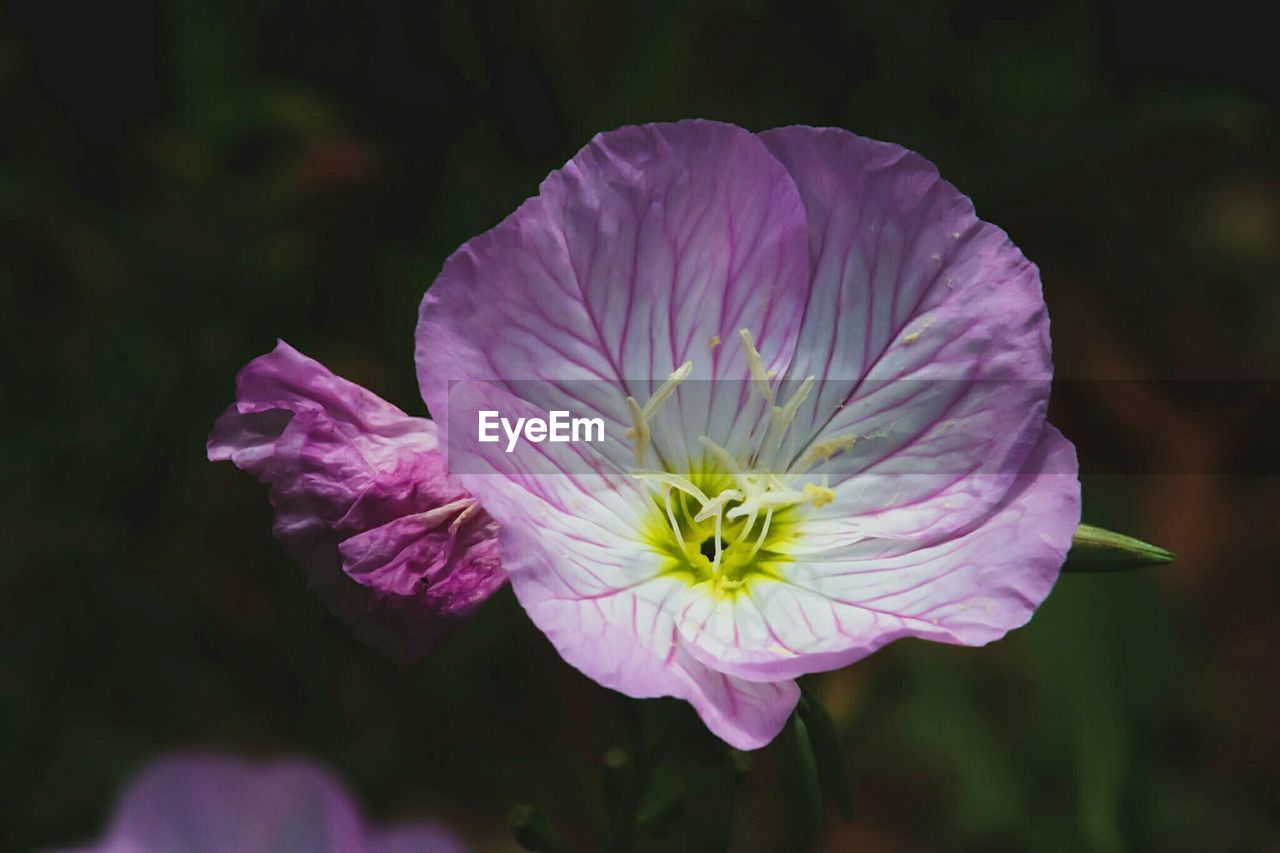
362, 502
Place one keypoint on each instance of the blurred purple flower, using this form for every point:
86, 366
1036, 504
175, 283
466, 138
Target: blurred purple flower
212, 802
889, 472
362, 501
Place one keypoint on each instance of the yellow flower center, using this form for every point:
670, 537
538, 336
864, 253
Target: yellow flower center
730, 519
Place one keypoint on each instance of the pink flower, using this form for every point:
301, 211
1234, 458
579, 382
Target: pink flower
823, 382
362, 501
215, 802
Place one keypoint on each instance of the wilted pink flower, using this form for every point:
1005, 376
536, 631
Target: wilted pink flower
216, 802
362, 501
823, 382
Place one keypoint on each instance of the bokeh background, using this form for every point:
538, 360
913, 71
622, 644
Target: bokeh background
181, 183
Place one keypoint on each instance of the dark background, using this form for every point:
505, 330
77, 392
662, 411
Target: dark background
182, 183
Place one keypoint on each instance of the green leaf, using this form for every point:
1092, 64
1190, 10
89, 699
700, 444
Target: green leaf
663, 802
1094, 549
533, 831
687, 783
828, 754
802, 791
706, 822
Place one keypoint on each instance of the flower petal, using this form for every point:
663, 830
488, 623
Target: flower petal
840, 602
199, 801
652, 244
625, 639
746, 714
574, 550
362, 501
927, 332
210, 802
414, 839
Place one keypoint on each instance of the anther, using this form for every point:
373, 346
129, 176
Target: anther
639, 432
819, 496
759, 376
470, 511
822, 451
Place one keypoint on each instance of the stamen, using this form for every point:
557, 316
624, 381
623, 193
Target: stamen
717, 503
671, 516
755, 485
673, 481
666, 389
465, 507
684, 512
471, 509
722, 456
759, 376
764, 531
639, 432
747, 525
781, 417
766, 500
715, 564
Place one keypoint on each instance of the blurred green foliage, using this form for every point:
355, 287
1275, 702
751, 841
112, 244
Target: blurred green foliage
180, 183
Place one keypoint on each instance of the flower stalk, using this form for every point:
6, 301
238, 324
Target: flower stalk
1096, 549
